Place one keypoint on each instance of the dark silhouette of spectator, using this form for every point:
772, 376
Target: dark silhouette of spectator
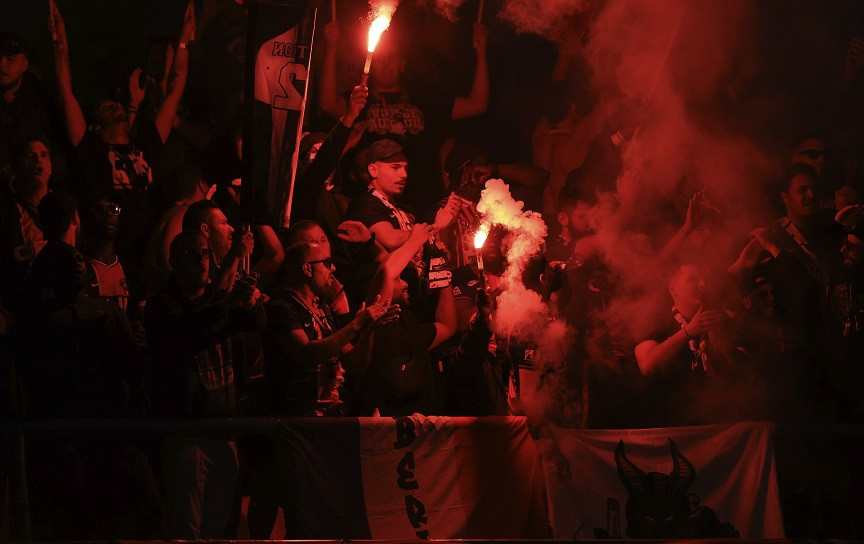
189, 326
20, 232
78, 360
26, 111
110, 278
681, 356
111, 156
399, 375
190, 188
304, 347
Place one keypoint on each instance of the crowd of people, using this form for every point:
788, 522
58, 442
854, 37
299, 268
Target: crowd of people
131, 288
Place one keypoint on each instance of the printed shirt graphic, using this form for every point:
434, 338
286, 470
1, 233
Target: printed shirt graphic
129, 168
109, 282
397, 119
32, 236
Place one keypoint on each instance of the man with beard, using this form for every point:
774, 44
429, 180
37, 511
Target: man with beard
303, 349
303, 341
399, 373
228, 251
844, 338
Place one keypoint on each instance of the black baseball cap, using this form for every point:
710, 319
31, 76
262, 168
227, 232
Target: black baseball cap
385, 151
12, 44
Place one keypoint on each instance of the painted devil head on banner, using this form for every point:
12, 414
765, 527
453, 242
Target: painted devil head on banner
658, 505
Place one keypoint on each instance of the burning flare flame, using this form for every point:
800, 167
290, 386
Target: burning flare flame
382, 13
480, 236
378, 26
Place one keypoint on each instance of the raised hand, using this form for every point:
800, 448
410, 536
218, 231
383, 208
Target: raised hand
356, 103
447, 212
55, 23
704, 321
353, 231
189, 23
136, 90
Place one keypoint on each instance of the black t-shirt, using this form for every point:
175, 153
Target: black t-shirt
401, 373
292, 381
672, 394
368, 209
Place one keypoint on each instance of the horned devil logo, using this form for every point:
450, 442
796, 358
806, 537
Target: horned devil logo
658, 505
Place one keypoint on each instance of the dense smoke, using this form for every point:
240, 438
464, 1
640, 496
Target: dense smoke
547, 18
680, 80
445, 8
675, 59
520, 312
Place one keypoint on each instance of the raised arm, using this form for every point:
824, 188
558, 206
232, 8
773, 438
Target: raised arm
445, 316
396, 261
270, 262
653, 356
76, 125
333, 104
478, 101
177, 78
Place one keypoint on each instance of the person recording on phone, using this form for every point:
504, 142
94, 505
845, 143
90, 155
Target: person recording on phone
230, 248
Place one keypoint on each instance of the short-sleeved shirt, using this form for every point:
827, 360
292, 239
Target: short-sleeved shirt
673, 392
292, 380
368, 209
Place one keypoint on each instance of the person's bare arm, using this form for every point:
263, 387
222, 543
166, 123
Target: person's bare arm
76, 125
478, 101
336, 343
388, 236
653, 356
273, 254
328, 97
177, 77
396, 261
445, 316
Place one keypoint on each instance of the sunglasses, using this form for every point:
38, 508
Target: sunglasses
328, 262
811, 154
200, 253
107, 209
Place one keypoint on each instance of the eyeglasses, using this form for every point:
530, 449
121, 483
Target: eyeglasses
199, 253
107, 208
811, 154
328, 262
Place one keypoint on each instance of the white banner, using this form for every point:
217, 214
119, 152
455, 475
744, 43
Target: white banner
441, 477
710, 481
